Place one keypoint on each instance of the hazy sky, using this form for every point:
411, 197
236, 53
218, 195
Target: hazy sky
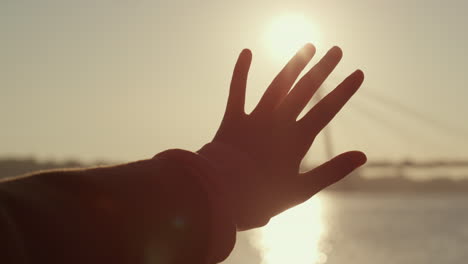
123, 80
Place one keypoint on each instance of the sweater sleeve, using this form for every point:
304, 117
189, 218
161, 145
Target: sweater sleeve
162, 210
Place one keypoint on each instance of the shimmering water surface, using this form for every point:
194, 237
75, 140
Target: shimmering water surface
363, 228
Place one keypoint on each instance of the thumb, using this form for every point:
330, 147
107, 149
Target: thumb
328, 173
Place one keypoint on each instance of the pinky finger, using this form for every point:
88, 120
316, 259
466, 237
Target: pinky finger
236, 99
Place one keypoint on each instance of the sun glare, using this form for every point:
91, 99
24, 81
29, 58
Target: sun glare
287, 33
294, 236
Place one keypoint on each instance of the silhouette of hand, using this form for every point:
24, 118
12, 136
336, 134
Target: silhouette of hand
260, 153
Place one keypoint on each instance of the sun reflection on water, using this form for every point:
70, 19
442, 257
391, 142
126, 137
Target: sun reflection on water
294, 236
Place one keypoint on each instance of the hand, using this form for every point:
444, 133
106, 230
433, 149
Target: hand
260, 153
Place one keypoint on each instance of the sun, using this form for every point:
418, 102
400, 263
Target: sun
287, 33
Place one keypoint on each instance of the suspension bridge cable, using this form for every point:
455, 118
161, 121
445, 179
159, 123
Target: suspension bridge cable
399, 131
408, 111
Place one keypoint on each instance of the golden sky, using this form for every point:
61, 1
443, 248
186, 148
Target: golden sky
123, 80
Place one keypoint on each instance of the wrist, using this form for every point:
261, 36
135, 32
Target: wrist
236, 177
223, 234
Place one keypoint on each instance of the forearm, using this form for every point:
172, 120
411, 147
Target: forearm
121, 214
66, 216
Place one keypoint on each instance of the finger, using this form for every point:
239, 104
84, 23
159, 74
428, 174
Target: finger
313, 181
303, 91
236, 99
322, 113
282, 83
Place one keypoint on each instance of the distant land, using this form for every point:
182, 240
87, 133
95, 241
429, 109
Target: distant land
17, 166
377, 182
357, 183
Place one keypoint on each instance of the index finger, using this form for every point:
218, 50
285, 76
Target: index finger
325, 110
